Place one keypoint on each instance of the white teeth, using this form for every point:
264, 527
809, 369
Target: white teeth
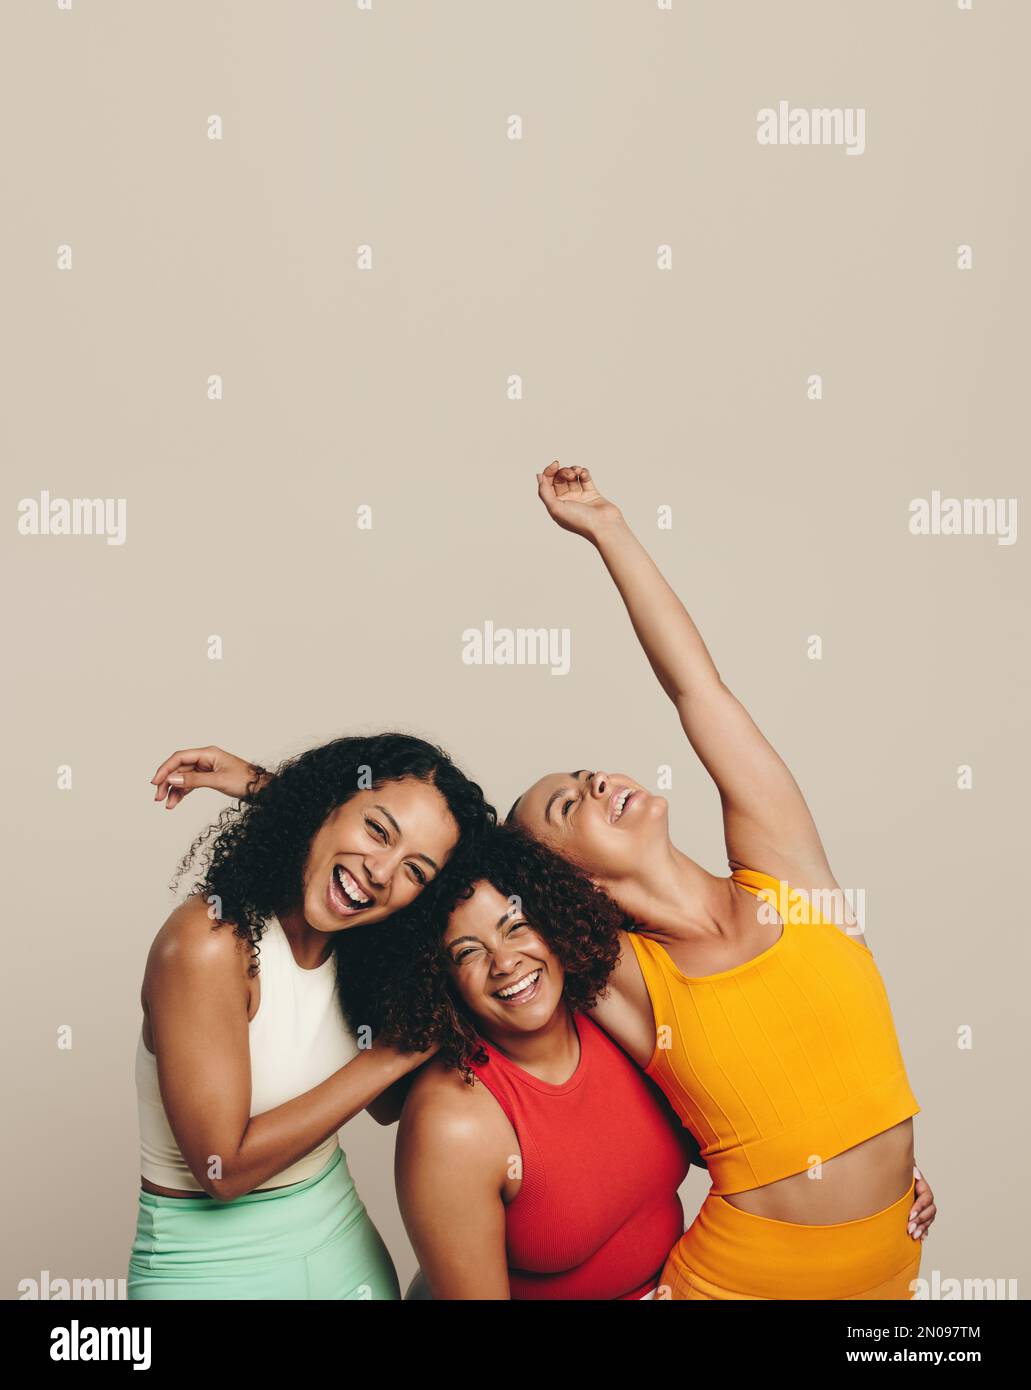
525, 984
345, 882
620, 803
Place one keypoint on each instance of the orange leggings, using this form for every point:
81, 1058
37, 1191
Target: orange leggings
727, 1253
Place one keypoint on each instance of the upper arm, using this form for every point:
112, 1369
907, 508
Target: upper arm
449, 1189
197, 1001
765, 816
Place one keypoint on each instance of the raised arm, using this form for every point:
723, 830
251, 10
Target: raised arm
767, 824
196, 996
190, 768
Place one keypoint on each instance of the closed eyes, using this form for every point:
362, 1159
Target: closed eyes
459, 956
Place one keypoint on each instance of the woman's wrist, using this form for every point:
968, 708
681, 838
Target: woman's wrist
609, 527
396, 1063
259, 778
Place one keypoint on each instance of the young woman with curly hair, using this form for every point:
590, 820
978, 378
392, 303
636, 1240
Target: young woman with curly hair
534, 1159
245, 1067
767, 1025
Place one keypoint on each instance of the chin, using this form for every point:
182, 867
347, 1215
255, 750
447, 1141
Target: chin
657, 814
320, 919
526, 1020
534, 1015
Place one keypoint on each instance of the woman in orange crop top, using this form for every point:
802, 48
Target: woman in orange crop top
752, 1000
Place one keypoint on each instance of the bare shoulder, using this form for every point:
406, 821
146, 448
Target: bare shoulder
190, 941
440, 1098
441, 1109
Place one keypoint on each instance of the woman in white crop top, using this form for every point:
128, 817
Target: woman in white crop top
245, 1066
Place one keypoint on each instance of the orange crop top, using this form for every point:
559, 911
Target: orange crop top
783, 1061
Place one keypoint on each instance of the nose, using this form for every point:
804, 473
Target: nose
379, 868
504, 959
599, 783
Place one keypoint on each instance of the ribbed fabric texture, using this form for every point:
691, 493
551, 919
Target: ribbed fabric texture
597, 1211
785, 1060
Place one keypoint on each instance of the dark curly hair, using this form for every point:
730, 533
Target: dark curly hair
410, 991
253, 856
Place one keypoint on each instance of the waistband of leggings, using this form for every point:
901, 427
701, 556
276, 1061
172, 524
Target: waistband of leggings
267, 1194
757, 1255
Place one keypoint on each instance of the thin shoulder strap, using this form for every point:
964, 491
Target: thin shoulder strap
793, 904
776, 892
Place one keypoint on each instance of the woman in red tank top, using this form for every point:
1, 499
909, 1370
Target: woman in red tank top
534, 1160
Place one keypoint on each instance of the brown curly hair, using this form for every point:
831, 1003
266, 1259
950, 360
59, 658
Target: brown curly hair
407, 972
252, 859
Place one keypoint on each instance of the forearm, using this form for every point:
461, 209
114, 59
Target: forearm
386, 1109
277, 1138
671, 642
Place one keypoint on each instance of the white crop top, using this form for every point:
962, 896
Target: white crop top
298, 1038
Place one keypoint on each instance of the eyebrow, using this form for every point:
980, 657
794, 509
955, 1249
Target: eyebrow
555, 795
432, 862
498, 925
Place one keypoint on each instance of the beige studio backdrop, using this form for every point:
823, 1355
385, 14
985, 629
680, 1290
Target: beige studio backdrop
266, 265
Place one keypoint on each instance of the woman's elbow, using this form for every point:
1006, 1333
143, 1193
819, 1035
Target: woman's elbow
221, 1180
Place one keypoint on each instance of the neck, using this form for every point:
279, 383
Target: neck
676, 898
551, 1052
310, 948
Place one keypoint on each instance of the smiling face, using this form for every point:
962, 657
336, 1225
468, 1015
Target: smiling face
374, 854
606, 822
504, 971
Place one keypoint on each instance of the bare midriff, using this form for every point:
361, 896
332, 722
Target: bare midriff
149, 1186
859, 1182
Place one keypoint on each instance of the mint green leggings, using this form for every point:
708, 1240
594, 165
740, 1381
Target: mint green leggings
313, 1239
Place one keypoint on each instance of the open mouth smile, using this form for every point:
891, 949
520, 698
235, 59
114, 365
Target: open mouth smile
344, 894
522, 991
619, 802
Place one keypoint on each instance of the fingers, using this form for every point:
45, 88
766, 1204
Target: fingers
171, 772
922, 1202
186, 757
923, 1210
557, 483
567, 482
180, 784
546, 484
920, 1225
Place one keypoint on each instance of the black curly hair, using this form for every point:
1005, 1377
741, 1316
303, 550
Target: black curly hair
406, 991
253, 856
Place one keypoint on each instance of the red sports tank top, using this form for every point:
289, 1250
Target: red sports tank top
603, 1154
